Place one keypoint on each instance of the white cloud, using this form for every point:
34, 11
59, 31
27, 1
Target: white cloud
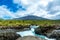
30, 2
5, 12
33, 7
55, 8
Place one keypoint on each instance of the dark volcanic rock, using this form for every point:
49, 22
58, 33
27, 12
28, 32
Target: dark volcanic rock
8, 35
46, 30
43, 30
38, 31
55, 34
50, 31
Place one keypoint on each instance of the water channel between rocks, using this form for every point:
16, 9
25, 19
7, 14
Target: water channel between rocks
32, 33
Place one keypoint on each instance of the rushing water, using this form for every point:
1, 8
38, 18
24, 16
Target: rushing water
32, 33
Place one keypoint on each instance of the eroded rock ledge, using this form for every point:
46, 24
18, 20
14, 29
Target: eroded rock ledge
29, 38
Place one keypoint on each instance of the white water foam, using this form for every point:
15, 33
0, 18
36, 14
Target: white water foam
31, 33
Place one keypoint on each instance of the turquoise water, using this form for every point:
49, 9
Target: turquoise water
32, 33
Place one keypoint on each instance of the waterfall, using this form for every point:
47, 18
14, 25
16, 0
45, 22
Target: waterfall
33, 27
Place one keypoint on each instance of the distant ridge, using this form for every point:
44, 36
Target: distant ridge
31, 17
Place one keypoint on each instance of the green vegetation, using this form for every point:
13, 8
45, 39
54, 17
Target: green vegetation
28, 22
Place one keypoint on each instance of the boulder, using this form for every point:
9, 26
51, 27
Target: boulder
29, 38
55, 34
38, 31
8, 35
42, 31
45, 30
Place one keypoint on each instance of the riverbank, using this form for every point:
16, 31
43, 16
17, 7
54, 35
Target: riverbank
30, 38
7, 33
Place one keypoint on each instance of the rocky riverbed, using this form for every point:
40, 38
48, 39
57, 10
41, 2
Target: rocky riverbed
49, 31
9, 33
30, 38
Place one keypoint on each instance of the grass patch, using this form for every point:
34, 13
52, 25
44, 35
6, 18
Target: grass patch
28, 22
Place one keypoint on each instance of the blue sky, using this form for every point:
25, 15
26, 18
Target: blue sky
18, 8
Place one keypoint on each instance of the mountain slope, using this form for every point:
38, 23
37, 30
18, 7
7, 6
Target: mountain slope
31, 17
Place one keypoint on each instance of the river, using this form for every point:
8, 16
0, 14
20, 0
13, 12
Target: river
32, 33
